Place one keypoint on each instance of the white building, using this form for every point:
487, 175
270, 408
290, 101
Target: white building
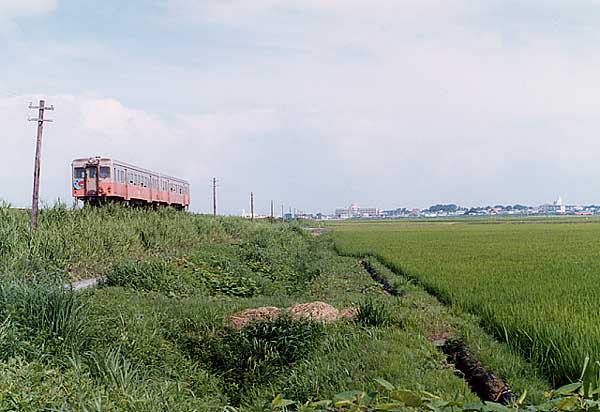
354, 211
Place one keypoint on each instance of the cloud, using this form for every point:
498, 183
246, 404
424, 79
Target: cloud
321, 103
14, 8
238, 11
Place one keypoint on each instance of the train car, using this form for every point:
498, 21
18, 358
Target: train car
97, 180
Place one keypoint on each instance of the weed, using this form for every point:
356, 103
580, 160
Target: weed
256, 354
371, 313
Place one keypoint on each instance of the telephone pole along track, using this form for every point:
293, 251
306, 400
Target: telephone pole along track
38, 159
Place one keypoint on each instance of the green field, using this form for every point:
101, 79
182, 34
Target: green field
156, 337
535, 286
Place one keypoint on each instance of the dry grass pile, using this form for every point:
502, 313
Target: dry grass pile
316, 311
265, 313
348, 313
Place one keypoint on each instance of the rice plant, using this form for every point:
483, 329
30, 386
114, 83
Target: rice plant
534, 286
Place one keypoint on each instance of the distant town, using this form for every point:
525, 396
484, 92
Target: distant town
354, 211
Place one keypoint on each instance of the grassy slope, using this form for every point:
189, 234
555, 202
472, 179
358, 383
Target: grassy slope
534, 285
148, 340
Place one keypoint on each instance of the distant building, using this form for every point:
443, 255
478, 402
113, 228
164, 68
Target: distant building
354, 211
560, 206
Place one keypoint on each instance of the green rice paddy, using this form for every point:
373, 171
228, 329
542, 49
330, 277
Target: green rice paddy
535, 286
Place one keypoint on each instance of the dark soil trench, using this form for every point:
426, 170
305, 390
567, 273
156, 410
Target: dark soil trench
482, 381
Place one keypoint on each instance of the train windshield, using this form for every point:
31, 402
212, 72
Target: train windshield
92, 172
79, 173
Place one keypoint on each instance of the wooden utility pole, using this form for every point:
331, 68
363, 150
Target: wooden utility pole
272, 213
38, 160
214, 196
251, 205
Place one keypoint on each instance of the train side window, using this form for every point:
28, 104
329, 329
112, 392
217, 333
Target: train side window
79, 173
104, 172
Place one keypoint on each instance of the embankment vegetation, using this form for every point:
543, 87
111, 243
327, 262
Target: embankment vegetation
156, 336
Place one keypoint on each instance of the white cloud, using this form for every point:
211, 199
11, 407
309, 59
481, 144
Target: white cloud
239, 11
325, 102
12, 8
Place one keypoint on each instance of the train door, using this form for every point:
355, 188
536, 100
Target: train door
91, 179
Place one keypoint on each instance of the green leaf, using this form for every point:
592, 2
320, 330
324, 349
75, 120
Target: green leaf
348, 398
584, 369
286, 402
522, 398
495, 407
568, 389
275, 402
396, 406
473, 406
385, 384
409, 398
320, 403
567, 403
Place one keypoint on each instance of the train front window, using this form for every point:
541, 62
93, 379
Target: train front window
91, 172
79, 173
104, 172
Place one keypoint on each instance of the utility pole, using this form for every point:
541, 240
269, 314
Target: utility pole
251, 205
282, 214
272, 213
38, 155
214, 182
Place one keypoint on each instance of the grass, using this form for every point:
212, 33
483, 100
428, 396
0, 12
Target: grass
156, 335
532, 286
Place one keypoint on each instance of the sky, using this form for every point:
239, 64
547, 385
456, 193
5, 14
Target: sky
314, 104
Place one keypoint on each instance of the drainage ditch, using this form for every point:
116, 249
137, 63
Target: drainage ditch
380, 279
483, 382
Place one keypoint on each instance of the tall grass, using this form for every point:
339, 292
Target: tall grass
40, 318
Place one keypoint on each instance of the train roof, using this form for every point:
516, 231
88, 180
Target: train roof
131, 166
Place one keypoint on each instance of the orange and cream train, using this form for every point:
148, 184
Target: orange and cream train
98, 179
